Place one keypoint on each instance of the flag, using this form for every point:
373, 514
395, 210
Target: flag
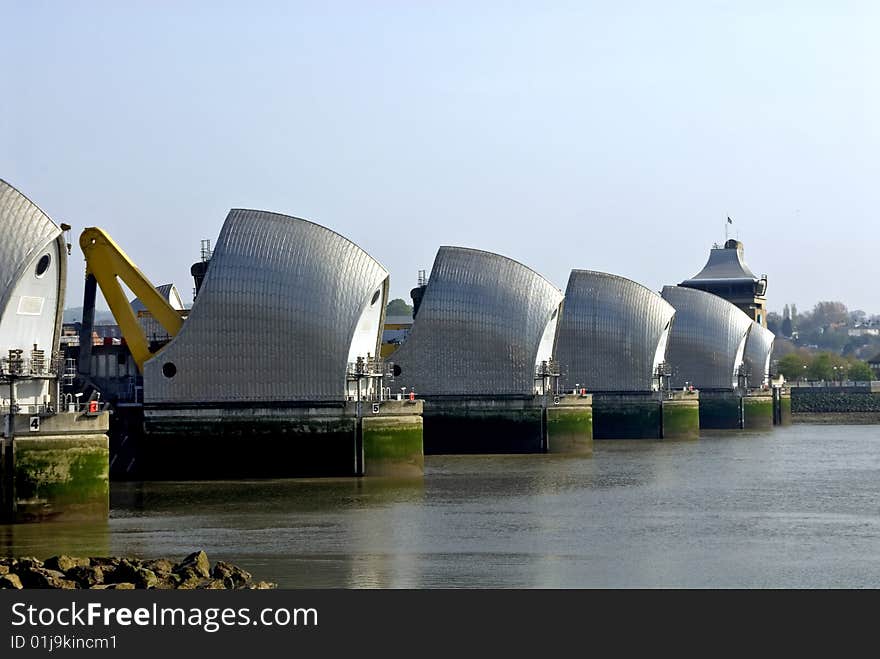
729, 221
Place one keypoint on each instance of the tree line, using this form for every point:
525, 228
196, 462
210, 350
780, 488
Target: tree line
828, 366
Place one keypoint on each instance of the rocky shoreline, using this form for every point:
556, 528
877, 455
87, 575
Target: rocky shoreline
126, 573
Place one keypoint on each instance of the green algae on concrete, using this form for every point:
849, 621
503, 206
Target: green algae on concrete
57, 468
283, 442
785, 409
681, 419
507, 425
63, 476
393, 446
758, 411
570, 430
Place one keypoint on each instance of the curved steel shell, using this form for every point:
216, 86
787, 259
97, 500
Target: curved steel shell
479, 327
756, 358
31, 304
275, 318
610, 334
25, 230
706, 342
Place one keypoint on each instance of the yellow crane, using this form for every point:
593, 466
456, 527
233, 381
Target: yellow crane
106, 264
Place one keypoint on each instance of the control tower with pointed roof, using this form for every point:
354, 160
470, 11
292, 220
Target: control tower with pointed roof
727, 275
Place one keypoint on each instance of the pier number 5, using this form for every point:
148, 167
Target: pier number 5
35, 424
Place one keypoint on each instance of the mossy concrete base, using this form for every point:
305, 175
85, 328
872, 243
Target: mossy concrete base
681, 416
393, 446
557, 424
758, 411
60, 471
721, 410
570, 427
282, 442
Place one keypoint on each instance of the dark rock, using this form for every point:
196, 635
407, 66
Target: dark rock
36, 577
165, 582
114, 586
113, 573
64, 563
196, 562
10, 581
129, 571
146, 578
160, 566
87, 576
232, 575
188, 575
26, 563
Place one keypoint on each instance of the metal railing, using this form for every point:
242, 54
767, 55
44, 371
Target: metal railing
18, 366
43, 409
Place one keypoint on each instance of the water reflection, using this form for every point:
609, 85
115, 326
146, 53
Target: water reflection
793, 507
44, 540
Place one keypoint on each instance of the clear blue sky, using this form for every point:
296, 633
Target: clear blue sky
614, 136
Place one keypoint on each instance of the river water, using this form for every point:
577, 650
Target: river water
793, 507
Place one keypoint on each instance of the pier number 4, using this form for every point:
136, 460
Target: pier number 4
35, 424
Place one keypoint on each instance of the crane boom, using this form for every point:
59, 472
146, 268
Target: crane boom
108, 263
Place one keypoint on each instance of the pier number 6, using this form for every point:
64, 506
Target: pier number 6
35, 424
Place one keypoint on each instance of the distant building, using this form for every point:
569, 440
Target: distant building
394, 333
727, 275
153, 329
102, 334
864, 330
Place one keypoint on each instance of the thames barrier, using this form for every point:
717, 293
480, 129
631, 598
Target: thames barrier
279, 369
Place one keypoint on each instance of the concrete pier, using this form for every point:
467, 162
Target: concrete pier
681, 415
649, 415
781, 407
343, 439
721, 410
560, 424
731, 410
56, 467
758, 410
